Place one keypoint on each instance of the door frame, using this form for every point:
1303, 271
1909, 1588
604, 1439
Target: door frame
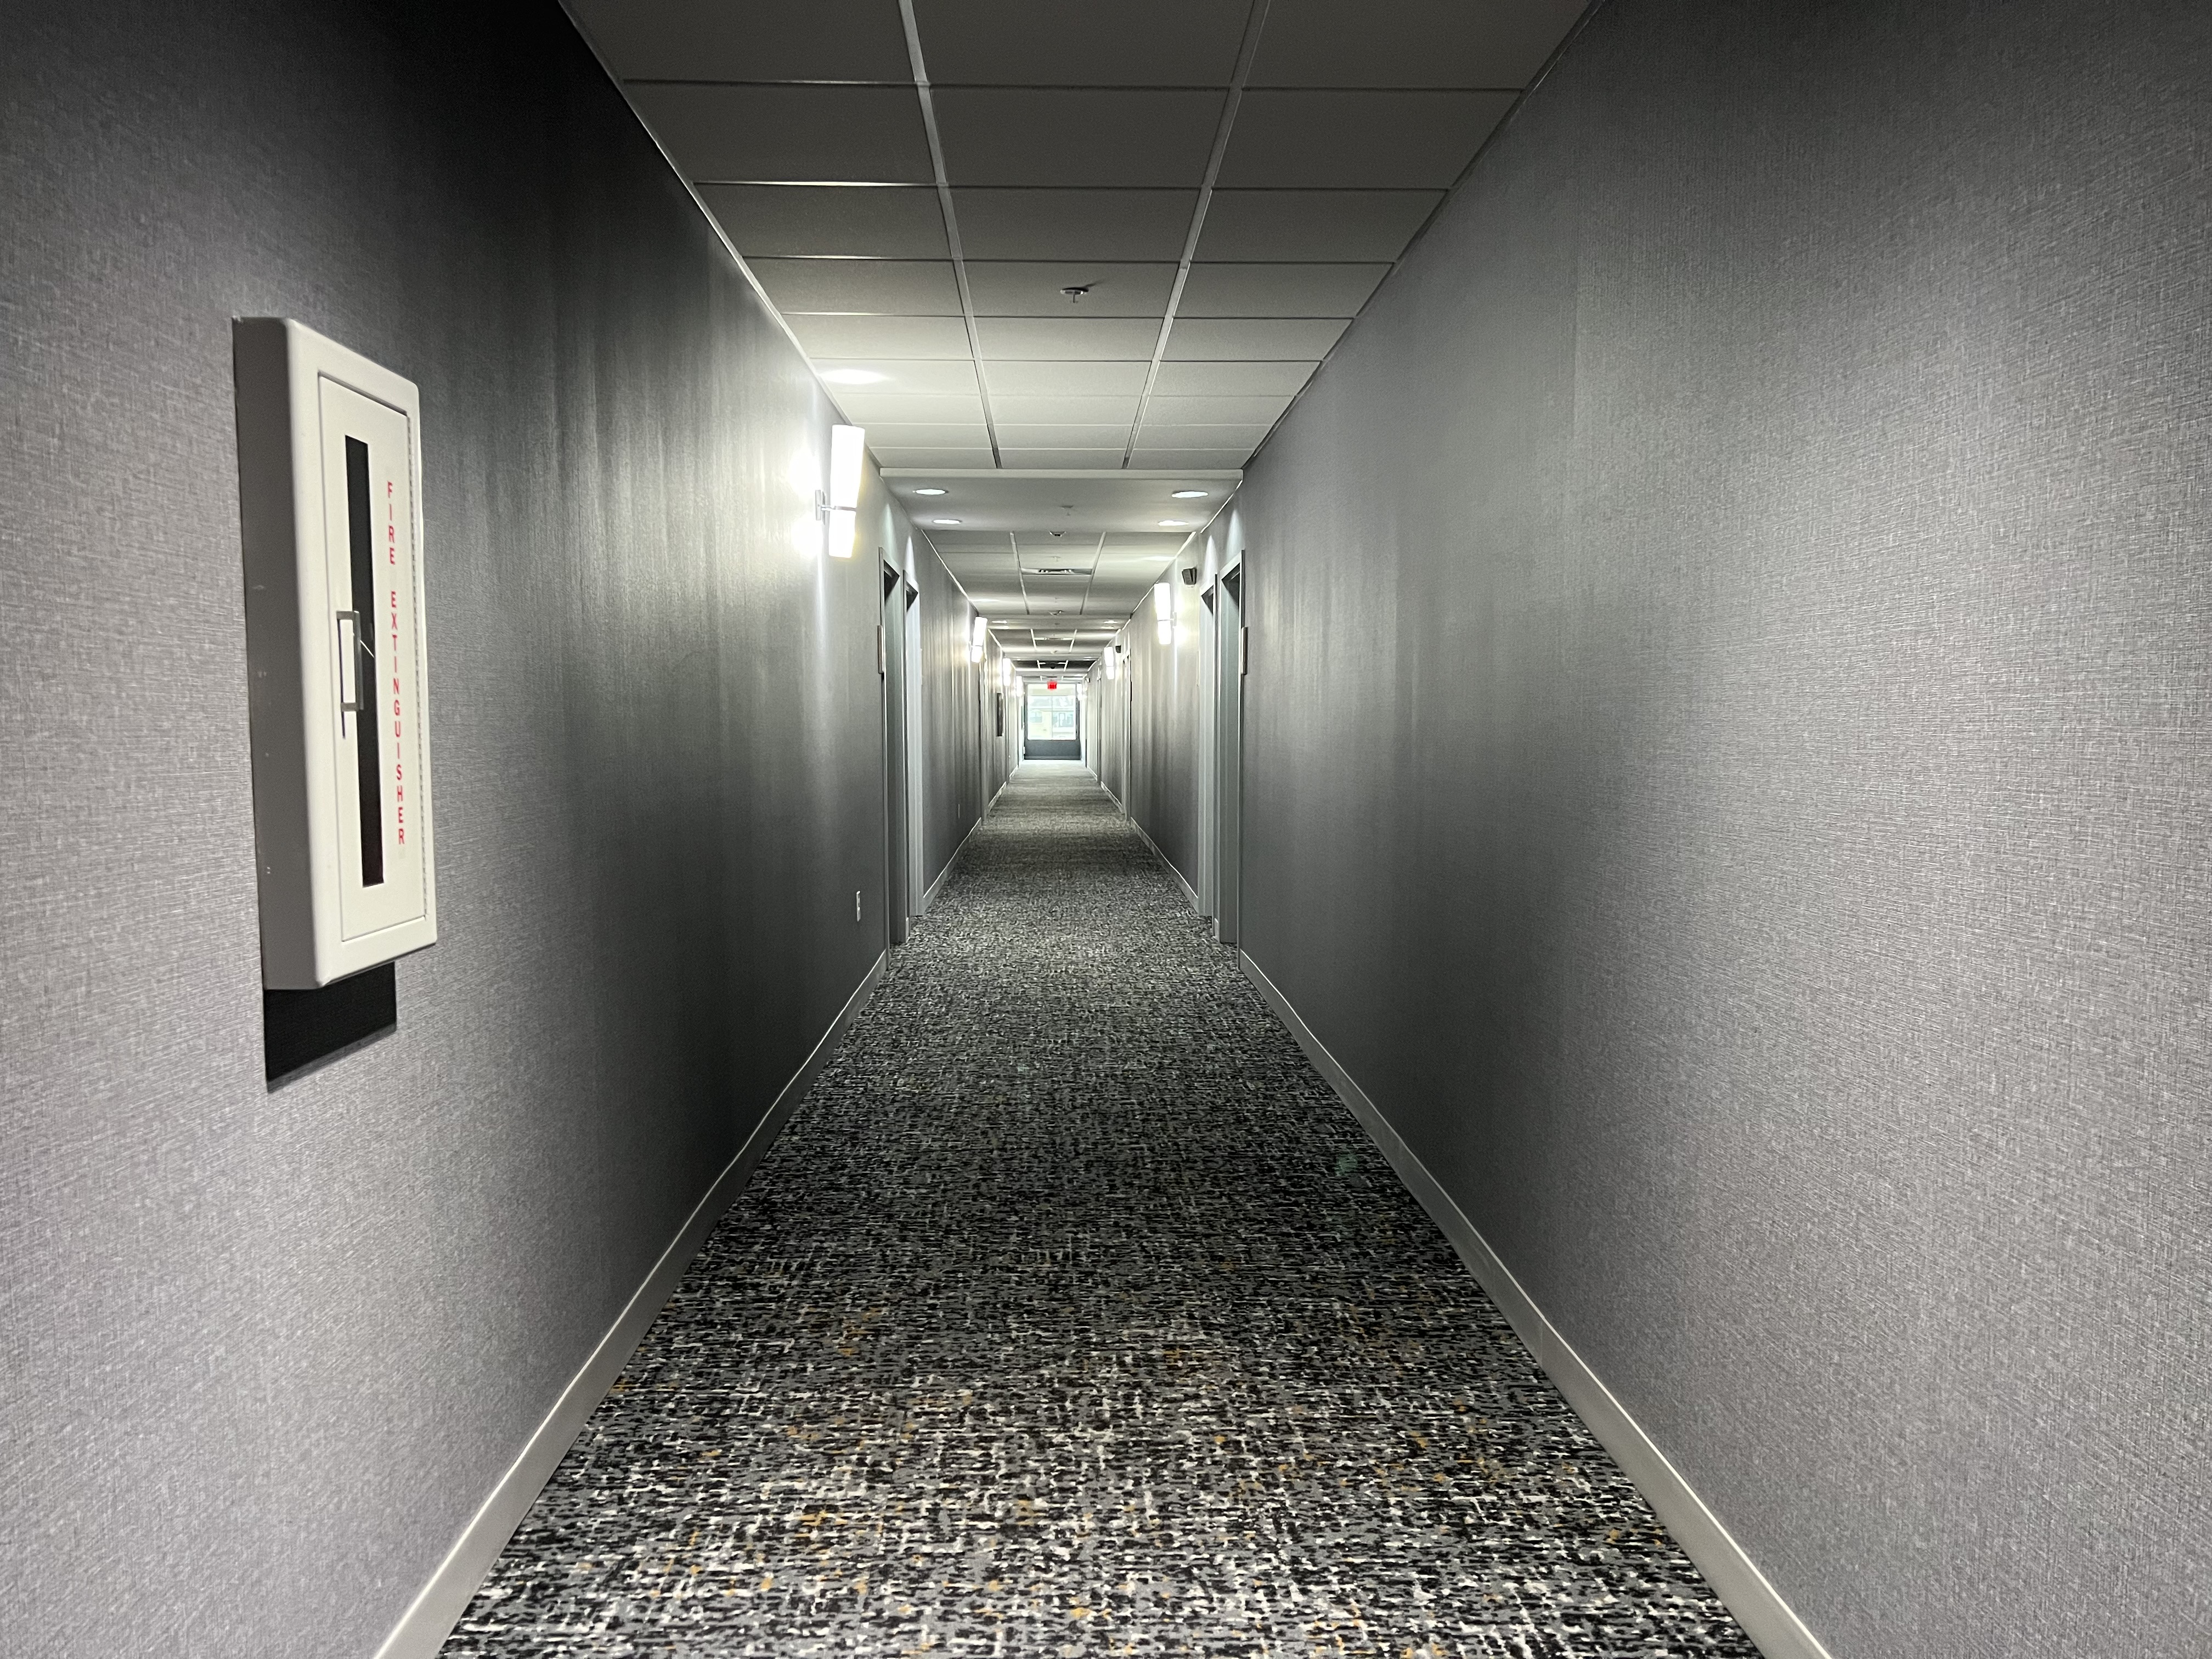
917, 756
1232, 660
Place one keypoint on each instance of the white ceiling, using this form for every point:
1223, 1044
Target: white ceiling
1226, 182
1058, 560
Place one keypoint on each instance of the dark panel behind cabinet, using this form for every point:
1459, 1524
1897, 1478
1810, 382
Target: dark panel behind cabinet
301, 1027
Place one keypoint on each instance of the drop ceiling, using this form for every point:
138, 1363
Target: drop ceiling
1057, 560
1039, 235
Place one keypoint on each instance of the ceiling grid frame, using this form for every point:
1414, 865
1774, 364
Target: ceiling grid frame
951, 219
1247, 49
783, 118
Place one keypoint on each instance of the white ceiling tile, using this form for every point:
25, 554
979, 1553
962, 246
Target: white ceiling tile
1131, 43
789, 135
1410, 43
903, 376
1067, 379
1137, 546
1310, 225
1219, 437
897, 435
913, 288
945, 458
1278, 290
1022, 288
1021, 435
1061, 458
767, 220
1048, 339
1230, 380
1086, 503
1129, 225
1043, 136
1191, 458
761, 40
869, 337
1282, 339
879, 409
1065, 411
1359, 140
1215, 411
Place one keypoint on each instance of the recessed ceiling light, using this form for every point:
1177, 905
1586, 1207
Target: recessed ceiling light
929, 489
944, 521
1173, 523
852, 376
1188, 495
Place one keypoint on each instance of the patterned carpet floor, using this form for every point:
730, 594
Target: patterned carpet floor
1072, 1314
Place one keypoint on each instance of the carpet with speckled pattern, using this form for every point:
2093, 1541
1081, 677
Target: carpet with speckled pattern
1073, 1314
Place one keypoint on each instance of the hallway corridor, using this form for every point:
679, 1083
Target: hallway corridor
1073, 1314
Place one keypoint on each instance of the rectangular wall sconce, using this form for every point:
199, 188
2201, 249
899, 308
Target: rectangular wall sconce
1163, 611
848, 447
330, 465
978, 631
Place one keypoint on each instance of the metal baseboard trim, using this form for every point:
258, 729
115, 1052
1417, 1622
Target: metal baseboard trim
1189, 891
423, 1628
1735, 1578
951, 864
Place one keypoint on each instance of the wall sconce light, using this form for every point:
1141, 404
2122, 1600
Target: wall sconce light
841, 511
1164, 611
978, 631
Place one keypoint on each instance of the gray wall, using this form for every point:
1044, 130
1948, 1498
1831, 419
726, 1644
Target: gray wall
1001, 748
952, 697
1109, 720
1162, 761
950, 711
265, 1352
1730, 746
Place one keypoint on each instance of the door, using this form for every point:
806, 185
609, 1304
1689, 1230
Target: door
1231, 658
896, 671
917, 762
1205, 759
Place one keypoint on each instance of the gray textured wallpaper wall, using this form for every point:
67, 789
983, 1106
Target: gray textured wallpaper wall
1730, 773
265, 1352
1162, 719
951, 694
